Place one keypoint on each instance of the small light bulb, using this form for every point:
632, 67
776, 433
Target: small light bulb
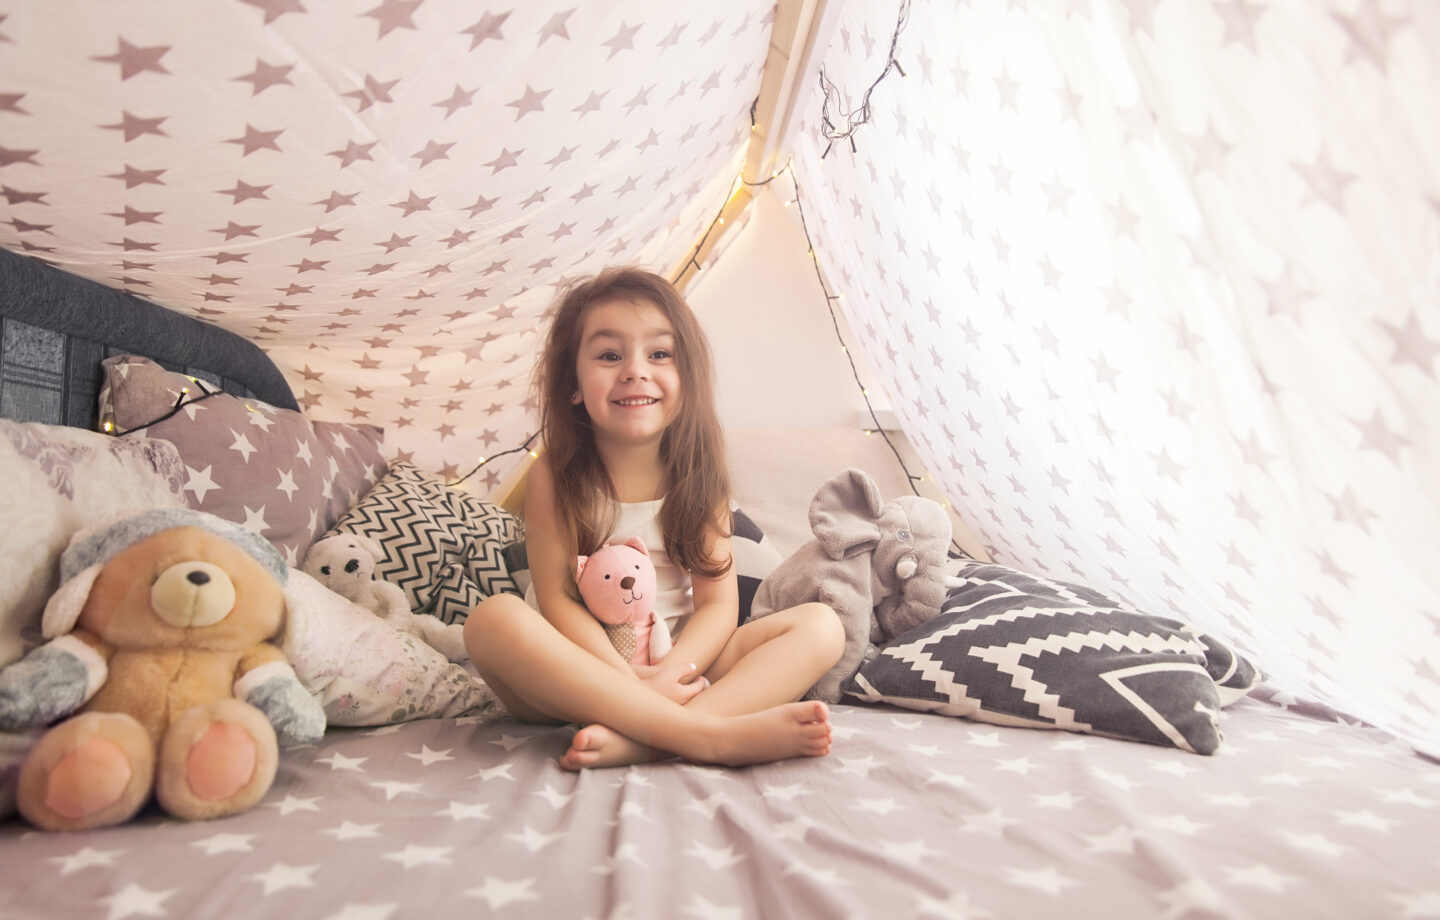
722, 221
844, 349
109, 427
534, 454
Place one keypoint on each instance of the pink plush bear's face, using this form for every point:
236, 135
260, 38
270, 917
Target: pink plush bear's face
617, 582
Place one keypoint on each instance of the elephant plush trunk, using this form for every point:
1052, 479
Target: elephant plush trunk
907, 566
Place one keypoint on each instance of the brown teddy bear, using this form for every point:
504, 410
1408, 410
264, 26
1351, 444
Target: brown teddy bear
160, 640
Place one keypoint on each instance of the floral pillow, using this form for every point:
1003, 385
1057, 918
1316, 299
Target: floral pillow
364, 671
58, 481
271, 470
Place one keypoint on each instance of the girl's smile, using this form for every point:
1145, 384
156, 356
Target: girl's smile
626, 369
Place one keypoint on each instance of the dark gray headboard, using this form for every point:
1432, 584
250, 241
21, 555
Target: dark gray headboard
56, 327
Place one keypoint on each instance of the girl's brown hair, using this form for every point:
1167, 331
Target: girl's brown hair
692, 448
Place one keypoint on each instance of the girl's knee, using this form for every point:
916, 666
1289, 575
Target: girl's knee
822, 624
492, 619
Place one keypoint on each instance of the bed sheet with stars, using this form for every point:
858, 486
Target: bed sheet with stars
1301, 814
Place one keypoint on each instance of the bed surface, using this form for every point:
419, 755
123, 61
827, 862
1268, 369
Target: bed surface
912, 815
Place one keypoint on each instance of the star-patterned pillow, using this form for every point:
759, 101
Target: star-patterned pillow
272, 470
1014, 649
443, 546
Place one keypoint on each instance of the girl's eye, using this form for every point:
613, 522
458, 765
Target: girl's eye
609, 356
661, 354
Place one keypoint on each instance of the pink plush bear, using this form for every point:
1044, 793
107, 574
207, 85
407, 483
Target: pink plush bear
617, 584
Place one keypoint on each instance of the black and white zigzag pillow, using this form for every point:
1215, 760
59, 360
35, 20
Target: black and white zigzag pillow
443, 547
1012, 649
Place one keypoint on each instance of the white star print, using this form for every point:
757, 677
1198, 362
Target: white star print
1048, 879
242, 445
255, 520
291, 804
877, 806
555, 797
1366, 819
784, 793
533, 840
714, 857
351, 831
498, 892
981, 738
510, 742
225, 843
957, 780
135, 901
1119, 840
339, 761
461, 810
488, 773
415, 855
1314, 843
199, 482
856, 766
280, 876
392, 788
909, 852
428, 757
1178, 824
84, 858
1064, 801
287, 484
1019, 765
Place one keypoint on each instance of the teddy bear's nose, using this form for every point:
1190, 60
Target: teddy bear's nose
198, 578
352, 565
627, 582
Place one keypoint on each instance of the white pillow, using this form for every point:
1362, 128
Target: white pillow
60, 480
364, 671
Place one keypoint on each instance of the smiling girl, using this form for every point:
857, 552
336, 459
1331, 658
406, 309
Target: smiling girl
633, 447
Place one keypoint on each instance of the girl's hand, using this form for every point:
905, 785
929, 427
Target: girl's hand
678, 681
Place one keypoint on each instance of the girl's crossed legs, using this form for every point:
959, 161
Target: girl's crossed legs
747, 715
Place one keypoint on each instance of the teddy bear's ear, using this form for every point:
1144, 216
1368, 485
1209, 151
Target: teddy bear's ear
580, 565
637, 543
64, 606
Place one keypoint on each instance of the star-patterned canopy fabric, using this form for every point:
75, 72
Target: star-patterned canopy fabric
1157, 283
1153, 283
383, 195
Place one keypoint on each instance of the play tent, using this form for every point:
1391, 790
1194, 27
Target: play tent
1151, 288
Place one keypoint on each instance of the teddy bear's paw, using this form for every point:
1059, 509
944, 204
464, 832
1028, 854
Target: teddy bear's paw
91, 771
217, 759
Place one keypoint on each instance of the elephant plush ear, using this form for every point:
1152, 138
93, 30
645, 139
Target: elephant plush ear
843, 514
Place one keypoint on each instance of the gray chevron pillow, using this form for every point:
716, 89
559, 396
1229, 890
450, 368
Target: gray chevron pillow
443, 546
1012, 649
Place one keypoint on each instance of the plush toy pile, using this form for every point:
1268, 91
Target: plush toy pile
161, 667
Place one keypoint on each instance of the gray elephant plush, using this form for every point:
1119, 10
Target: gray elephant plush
881, 567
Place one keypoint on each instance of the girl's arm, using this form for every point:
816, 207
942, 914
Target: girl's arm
552, 567
717, 605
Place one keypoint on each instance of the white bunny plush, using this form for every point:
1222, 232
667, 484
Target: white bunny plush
345, 563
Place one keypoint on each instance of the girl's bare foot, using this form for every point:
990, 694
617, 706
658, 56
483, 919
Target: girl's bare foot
598, 746
791, 730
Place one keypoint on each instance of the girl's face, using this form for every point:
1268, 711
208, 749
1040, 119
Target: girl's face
626, 367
